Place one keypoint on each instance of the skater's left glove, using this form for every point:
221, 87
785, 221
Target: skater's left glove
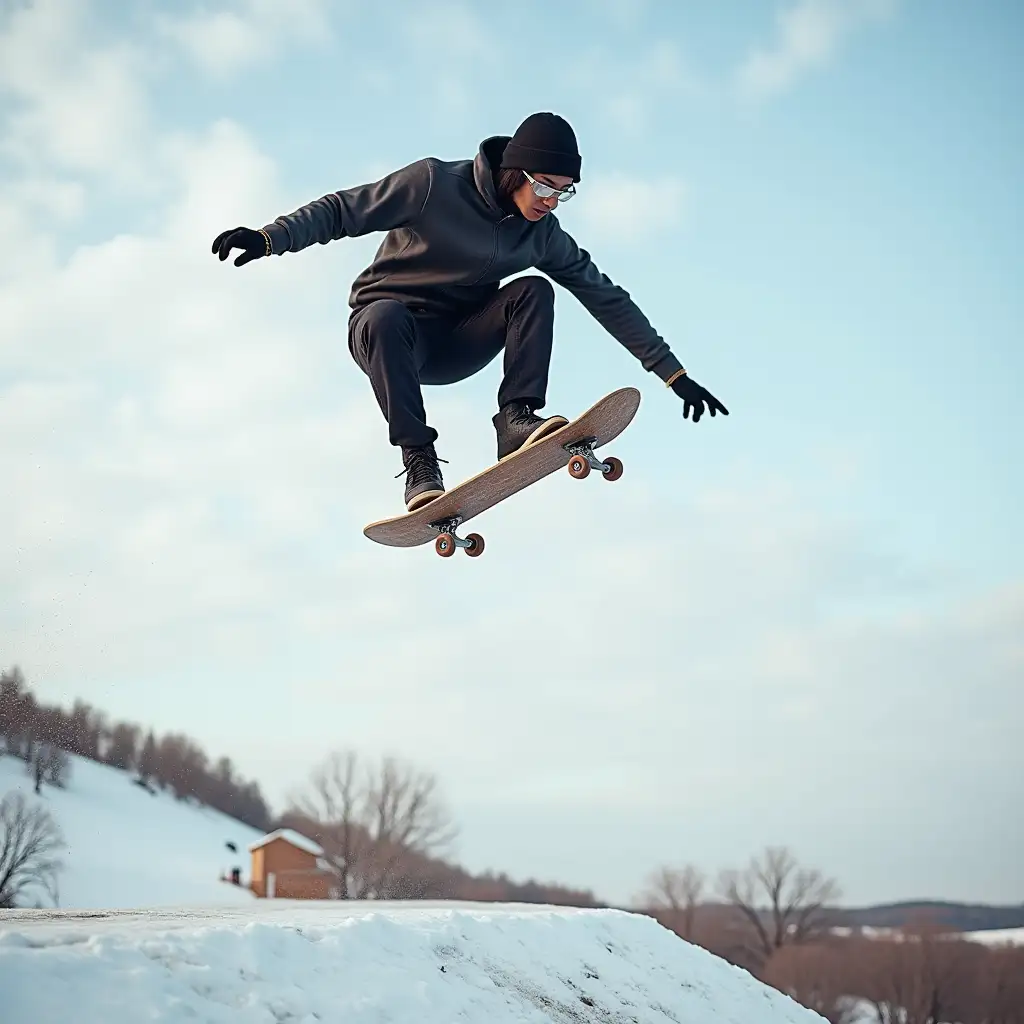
695, 397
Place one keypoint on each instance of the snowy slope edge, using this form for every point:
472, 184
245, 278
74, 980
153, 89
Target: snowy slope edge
421, 963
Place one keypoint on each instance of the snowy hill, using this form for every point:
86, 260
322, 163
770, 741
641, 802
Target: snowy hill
407, 963
127, 847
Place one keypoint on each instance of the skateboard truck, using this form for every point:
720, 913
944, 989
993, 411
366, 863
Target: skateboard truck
447, 541
582, 460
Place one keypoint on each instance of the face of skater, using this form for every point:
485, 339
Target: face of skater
533, 206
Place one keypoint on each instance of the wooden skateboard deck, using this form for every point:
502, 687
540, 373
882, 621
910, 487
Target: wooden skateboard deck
571, 445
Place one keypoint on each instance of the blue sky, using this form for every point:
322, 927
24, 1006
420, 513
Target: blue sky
813, 608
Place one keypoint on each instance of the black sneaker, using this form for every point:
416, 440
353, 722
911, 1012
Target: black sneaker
517, 426
423, 481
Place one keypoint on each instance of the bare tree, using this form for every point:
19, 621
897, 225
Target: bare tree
37, 767
374, 823
677, 892
48, 763
779, 901
29, 842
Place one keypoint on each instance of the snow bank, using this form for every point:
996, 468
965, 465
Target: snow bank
408, 963
998, 937
126, 847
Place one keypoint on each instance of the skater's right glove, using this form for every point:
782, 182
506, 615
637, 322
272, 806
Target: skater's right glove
254, 245
694, 396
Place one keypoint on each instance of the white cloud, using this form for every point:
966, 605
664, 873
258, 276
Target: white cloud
621, 208
449, 32
25, 204
160, 411
460, 48
75, 102
809, 33
242, 35
623, 13
630, 92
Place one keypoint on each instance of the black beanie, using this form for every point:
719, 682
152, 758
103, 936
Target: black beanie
544, 144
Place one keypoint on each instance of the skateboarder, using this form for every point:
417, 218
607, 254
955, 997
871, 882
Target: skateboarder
430, 308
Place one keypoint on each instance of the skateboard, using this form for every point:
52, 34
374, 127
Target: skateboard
571, 445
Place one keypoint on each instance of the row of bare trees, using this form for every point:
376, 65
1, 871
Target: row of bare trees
920, 975
387, 833
779, 920
37, 733
771, 903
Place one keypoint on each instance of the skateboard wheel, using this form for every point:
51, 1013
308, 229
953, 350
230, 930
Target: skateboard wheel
614, 470
476, 545
445, 545
579, 467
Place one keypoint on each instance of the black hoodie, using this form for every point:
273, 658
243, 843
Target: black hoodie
449, 244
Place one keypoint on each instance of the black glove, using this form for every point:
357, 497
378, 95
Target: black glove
253, 243
693, 395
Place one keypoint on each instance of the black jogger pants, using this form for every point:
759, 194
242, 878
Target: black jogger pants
399, 350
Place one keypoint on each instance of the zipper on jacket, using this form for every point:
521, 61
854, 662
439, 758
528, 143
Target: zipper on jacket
494, 246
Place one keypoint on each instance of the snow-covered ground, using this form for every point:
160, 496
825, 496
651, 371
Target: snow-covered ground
126, 847
408, 963
987, 937
998, 937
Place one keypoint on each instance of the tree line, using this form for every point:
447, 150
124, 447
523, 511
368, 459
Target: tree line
779, 920
38, 734
383, 826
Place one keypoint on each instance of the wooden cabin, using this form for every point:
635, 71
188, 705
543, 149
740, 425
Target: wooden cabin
288, 866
